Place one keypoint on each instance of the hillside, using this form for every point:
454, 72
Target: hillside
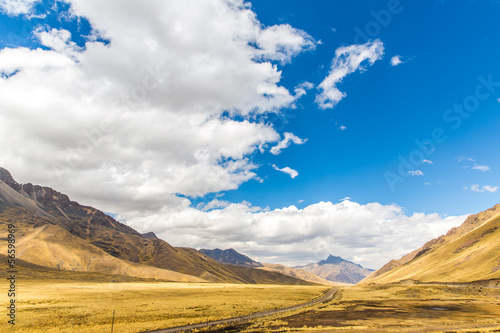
230, 256
336, 269
465, 254
56, 232
51, 246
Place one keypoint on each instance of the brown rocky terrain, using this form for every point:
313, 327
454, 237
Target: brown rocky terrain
56, 232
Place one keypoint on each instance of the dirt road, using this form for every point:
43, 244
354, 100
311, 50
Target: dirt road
239, 320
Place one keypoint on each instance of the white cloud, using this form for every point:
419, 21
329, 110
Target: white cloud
216, 203
416, 173
141, 118
485, 188
289, 171
17, 7
126, 126
396, 60
482, 168
282, 42
342, 128
490, 188
12, 60
428, 184
287, 140
427, 161
463, 158
373, 233
59, 41
302, 88
348, 59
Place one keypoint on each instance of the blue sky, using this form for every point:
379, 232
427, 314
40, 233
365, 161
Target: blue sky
284, 130
445, 47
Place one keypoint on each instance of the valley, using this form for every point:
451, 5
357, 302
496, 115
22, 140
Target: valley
76, 265
85, 303
249, 166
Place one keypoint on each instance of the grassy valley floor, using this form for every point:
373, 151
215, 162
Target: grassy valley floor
49, 305
85, 303
396, 308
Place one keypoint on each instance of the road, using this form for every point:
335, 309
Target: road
239, 320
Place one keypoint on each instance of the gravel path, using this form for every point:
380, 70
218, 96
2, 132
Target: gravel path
239, 320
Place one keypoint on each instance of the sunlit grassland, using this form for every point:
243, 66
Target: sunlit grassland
78, 306
395, 308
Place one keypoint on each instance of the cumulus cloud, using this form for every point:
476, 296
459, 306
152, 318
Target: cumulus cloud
289, 171
485, 188
427, 161
17, 7
282, 42
166, 108
348, 59
58, 40
302, 88
482, 168
287, 140
371, 233
415, 173
396, 60
216, 203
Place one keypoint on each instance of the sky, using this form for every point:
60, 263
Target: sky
285, 130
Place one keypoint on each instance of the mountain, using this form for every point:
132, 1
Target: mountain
336, 269
467, 253
333, 260
298, 273
150, 235
55, 232
230, 256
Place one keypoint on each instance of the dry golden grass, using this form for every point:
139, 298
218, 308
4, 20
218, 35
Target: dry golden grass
77, 306
395, 308
470, 257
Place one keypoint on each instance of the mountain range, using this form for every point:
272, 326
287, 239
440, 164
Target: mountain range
53, 231
334, 270
232, 257
55, 234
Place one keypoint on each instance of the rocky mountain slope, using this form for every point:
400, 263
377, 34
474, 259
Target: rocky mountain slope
299, 274
231, 257
336, 269
467, 253
56, 232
